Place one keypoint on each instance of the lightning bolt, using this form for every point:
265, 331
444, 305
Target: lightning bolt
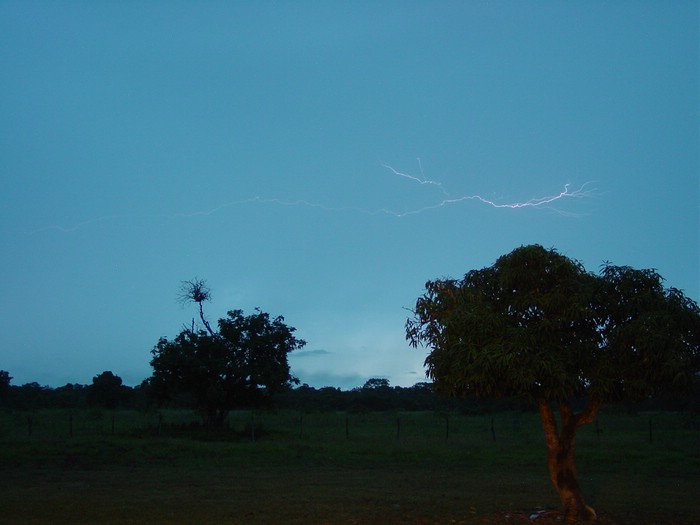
582, 192
546, 201
417, 179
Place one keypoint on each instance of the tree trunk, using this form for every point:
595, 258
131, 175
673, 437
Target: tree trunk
561, 456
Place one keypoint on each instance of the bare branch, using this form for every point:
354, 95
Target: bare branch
194, 291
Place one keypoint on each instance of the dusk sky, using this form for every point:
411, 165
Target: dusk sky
314, 159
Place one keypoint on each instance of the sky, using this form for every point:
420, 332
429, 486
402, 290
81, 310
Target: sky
322, 160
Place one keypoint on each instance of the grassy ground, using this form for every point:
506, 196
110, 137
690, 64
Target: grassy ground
332, 468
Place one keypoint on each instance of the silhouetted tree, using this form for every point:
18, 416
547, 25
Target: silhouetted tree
106, 390
5, 379
537, 325
70, 395
242, 364
30, 396
376, 383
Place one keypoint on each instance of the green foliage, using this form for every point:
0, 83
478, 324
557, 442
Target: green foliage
376, 383
537, 325
244, 364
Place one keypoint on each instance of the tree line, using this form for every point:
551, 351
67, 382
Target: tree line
107, 391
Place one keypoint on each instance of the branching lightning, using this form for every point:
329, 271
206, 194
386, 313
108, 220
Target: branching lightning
546, 201
417, 179
582, 192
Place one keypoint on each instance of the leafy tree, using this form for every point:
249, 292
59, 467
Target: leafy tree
106, 390
30, 396
241, 365
376, 383
537, 325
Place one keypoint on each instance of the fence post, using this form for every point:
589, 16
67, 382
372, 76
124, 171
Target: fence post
70, 425
252, 426
301, 424
651, 440
347, 426
160, 423
29, 425
493, 431
112, 423
447, 427
398, 428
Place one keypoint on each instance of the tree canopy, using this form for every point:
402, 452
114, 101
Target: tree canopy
537, 325
241, 365
106, 390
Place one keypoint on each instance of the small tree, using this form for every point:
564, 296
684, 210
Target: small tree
106, 390
537, 325
376, 383
241, 365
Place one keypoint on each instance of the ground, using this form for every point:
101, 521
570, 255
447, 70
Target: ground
325, 477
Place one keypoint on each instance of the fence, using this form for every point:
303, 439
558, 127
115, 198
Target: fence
403, 427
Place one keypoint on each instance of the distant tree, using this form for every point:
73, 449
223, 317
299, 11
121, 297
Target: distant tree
5, 379
537, 325
376, 383
241, 365
30, 396
70, 395
106, 390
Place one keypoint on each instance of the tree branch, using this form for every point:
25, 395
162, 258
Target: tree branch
206, 323
590, 413
196, 291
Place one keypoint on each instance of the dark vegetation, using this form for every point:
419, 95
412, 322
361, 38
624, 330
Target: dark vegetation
242, 364
534, 335
538, 326
420, 397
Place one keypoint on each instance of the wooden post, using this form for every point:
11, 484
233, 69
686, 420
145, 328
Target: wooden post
493, 431
252, 426
70, 425
160, 423
301, 425
347, 426
651, 440
398, 428
112, 423
29, 425
447, 427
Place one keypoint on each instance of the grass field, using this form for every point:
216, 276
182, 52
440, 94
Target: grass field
336, 468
